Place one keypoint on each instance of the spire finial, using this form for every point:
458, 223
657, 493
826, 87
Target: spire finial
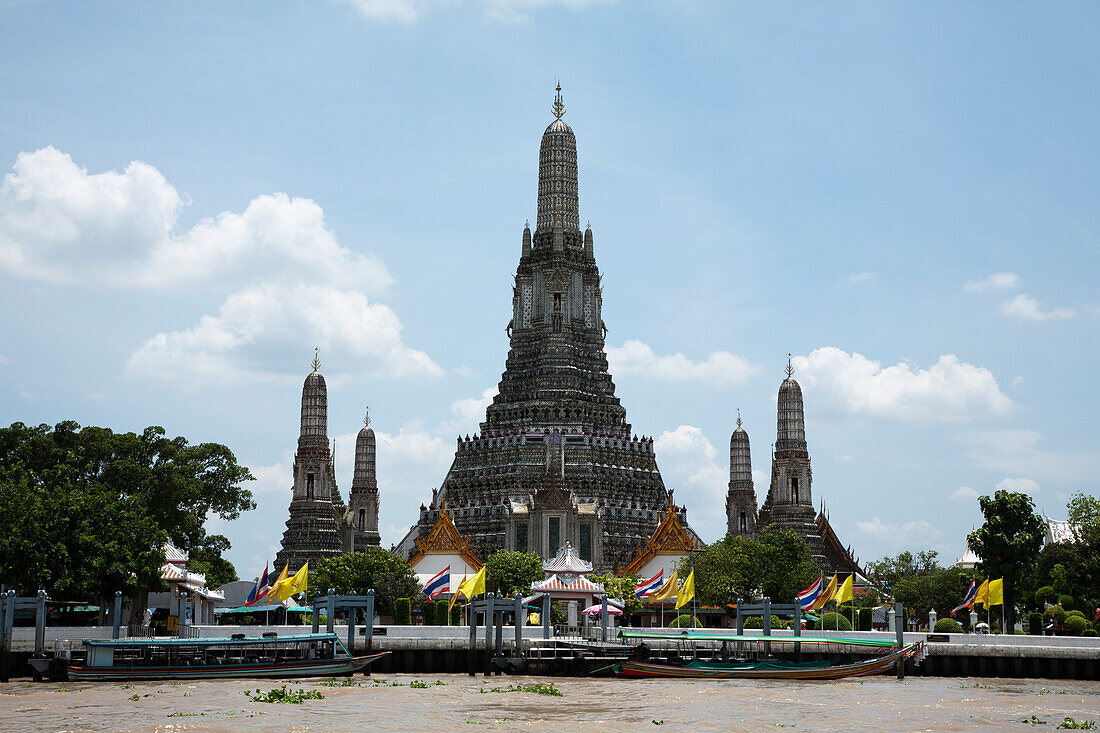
790, 369
559, 107
366, 418
316, 359
738, 417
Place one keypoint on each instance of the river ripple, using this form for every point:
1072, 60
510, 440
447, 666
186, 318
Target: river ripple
883, 703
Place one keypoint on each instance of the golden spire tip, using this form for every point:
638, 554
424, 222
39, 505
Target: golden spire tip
316, 359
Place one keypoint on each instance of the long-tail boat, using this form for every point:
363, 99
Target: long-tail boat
767, 668
304, 655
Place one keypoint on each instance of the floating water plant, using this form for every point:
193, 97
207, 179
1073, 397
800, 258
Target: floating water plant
280, 694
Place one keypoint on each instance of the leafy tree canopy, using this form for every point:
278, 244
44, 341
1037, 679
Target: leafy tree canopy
1009, 541
388, 574
620, 587
777, 564
508, 572
885, 573
100, 505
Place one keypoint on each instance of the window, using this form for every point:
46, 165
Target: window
794, 489
553, 535
521, 537
586, 542
309, 485
362, 519
744, 523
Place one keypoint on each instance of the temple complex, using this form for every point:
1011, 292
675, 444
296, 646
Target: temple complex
789, 502
670, 543
556, 461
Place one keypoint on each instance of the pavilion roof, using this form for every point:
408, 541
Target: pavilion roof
670, 537
555, 583
567, 561
444, 539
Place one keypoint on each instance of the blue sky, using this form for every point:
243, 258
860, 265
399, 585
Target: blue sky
902, 195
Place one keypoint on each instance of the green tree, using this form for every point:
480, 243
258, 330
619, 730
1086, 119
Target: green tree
508, 572
152, 487
777, 564
1084, 518
941, 589
884, 574
622, 588
1008, 543
388, 574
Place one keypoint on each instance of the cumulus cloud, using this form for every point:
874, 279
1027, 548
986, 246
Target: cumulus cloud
948, 391
964, 493
689, 464
860, 278
1025, 308
916, 531
59, 223
1022, 453
1019, 484
403, 11
719, 369
259, 333
996, 281
470, 412
410, 11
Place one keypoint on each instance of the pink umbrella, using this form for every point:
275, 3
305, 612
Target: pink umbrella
595, 610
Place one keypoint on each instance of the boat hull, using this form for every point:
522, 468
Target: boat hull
282, 670
877, 665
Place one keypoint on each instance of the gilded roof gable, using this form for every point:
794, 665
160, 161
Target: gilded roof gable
670, 537
444, 539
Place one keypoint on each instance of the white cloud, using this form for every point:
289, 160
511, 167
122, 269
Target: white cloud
410, 11
1022, 485
403, 11
469, 412
689, 465
1020, 452
58, 223
520, 10
265, 332
719, 369
964, 493
844, 459
860, 278
918, 531
1025, 308
4, 361
996, 281
948, 391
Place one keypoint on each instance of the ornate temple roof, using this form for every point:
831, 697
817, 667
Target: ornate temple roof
444, 539
555, 584
558, 196
790, 415
839, 557
740, 456
567, 562
670, 538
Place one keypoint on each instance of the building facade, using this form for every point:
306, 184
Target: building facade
556, 460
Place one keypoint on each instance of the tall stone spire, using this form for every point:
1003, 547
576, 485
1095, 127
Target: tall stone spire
558, 199
789, 503
312, 531
363, 504
741, 495
605, 495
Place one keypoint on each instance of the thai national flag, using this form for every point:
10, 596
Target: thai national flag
968, 599
440, 583
648, 586
259, 590
807, 597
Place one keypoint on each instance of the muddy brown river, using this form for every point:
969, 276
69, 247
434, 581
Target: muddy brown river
389, 702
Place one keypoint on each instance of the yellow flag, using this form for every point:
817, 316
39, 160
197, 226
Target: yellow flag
666, 591
826, 595
996, 592
455, 596
844, 593
286, 587
472, 587
687, 592
982, 596
269, 597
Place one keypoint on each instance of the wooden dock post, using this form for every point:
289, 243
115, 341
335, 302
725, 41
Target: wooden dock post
473, 640
499, 623
7, 604
740, 618
316, 616
330, 610
899, 625
545, 615
767, 624
796, 626
520, 620
40, 625
116, 613
603, 617
490, 612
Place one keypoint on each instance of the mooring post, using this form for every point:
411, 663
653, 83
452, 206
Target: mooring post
796, 625
316, 615
545, 615
519, 624
603, 618
500, 626
9, 624
490, 612
473, 640
117, 611
767, 624
330, 609
740, 618
40, 625
899, 624
370, 621
352, 615
3, 618
183, 613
